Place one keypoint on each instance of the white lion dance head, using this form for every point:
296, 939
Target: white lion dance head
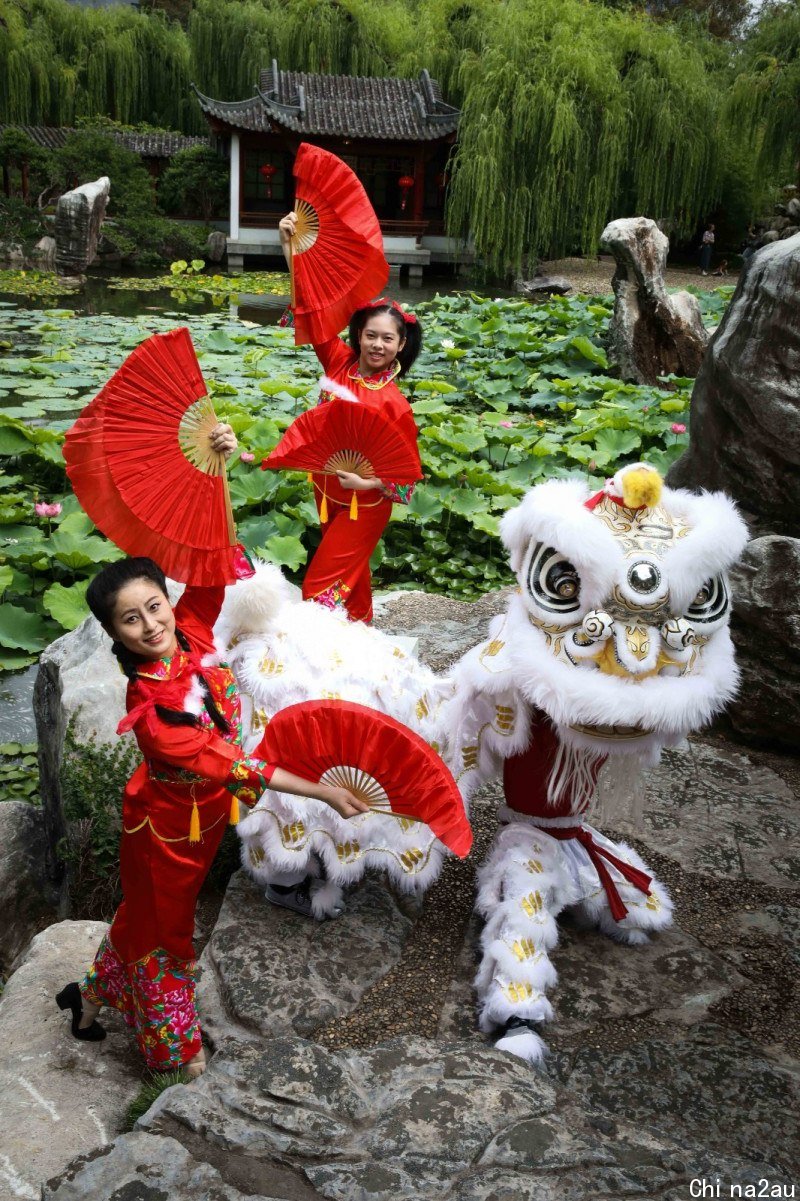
620, 633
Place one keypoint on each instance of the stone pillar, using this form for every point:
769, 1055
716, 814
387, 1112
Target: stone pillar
79, 216
51, 729
652, 334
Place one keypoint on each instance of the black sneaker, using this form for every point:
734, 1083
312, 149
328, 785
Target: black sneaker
296, 897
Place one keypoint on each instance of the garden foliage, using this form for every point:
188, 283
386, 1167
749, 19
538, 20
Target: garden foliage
505, 394
572, 112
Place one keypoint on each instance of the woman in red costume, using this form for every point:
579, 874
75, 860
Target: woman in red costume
183, 707
384, 341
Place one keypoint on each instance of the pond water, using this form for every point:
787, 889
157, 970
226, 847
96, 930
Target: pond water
30, 325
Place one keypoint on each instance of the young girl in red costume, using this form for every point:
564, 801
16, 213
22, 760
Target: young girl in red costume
184, 710
384, 341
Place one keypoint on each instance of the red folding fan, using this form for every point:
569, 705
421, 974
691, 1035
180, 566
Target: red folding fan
375, 757
141, 463
344, 435
337, 261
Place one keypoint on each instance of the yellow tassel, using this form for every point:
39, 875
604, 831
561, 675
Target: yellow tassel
323, 509
233, 820
194, 824
641, 487
354, 506
310, 477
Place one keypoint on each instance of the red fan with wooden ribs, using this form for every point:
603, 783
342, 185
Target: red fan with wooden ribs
344, 435
337, 261
141, 463
376, 758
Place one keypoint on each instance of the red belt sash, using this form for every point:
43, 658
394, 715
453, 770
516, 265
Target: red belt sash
598, 853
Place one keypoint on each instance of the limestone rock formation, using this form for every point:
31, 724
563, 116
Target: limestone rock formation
745, 439
543, 285
28, 900
766, 630
79, 216
12, 256
216, 247
652, 334
347, 1061
745, 414
61, 1097
44, 254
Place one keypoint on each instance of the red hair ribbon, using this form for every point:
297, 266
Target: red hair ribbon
384, 302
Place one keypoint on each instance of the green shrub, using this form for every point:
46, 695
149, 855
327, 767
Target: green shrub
19, 222
195, 184
93, 776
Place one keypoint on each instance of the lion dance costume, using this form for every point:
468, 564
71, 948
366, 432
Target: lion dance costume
614, 646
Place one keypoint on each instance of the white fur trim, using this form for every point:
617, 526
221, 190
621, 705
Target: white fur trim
194, 701
526, 1045
251, 605
554, 513
717, 538
326, 384
326, 898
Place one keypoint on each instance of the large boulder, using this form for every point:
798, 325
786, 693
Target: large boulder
78, 682
745, 439
766, 631
44, 254
745, 414
79, 216
652, 334
216, 246
12, 256
28, 899
61, 1097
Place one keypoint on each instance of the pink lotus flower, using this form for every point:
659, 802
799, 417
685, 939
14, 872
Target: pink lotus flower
677, 428
44, 510
246, 456
506, 425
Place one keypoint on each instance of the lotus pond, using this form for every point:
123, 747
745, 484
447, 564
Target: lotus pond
506, 393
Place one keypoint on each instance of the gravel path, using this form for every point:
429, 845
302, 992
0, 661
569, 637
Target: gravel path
594, 275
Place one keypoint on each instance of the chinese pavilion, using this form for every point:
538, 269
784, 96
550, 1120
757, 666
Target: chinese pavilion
396, 134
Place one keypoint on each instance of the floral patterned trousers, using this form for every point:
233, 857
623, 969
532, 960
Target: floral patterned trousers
156, 998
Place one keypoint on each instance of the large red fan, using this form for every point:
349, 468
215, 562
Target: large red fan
344, 435
374, 757
141, 463
337, 260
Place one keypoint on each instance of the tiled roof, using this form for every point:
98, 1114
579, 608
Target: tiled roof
401, 110
148, 145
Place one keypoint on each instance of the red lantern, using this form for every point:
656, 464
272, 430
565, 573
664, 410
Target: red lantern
267, 171
406, 183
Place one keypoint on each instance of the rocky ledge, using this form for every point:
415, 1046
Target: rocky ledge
347, 1063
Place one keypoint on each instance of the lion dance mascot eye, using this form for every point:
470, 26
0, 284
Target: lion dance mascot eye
615, 645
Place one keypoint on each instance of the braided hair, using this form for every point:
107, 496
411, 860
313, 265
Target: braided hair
101, 597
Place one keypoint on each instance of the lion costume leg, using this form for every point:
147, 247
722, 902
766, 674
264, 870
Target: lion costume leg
647, 912
522, 887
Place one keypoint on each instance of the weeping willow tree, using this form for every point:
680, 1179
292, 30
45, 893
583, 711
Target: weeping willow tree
574, 113
232, 41
765, 97
59, 62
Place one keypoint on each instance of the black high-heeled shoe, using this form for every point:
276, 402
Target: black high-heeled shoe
70, 998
